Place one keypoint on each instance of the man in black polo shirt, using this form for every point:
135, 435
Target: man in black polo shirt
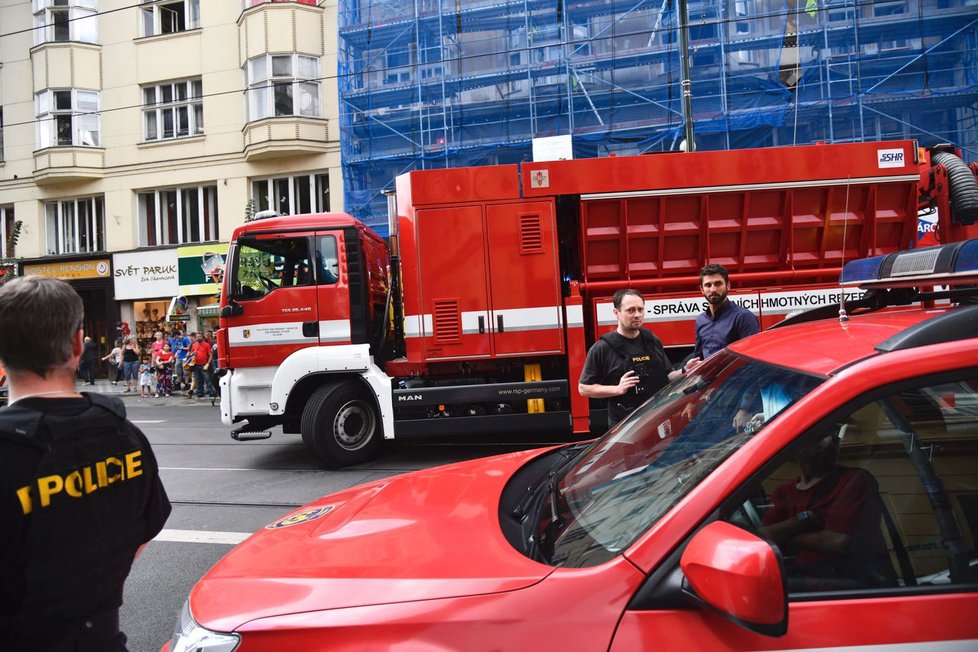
80, 491
626, 366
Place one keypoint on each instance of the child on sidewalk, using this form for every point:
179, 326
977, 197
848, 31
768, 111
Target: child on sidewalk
147, 379
164, 371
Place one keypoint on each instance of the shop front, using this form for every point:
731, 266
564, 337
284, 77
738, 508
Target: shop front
145, 281
92, 279
201, 273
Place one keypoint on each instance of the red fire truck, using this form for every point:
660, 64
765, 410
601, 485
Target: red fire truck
476, 316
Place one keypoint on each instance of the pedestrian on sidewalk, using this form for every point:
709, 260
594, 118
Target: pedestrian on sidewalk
88, 361
130, 363
180, 345
164, 371
201, 354
147, 378
115, 362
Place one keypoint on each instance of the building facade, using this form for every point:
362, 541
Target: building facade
441, 83
135, 136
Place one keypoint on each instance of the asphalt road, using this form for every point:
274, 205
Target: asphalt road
222, 491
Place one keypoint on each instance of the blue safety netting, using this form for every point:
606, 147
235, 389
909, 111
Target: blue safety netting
450, 83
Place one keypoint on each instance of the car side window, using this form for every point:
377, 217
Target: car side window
886, 496
267, 265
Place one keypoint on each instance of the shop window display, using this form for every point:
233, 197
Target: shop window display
150, 318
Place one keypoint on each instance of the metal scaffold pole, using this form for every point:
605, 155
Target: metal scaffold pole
687, 83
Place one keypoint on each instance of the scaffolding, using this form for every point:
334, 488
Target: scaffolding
449, 83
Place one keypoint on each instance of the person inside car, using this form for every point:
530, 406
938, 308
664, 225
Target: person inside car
828, 522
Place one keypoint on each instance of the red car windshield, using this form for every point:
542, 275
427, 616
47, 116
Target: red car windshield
630, 477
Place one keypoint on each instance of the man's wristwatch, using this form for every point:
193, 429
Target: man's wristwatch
804, 517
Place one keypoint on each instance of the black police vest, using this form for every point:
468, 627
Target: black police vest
653, 372
83, 509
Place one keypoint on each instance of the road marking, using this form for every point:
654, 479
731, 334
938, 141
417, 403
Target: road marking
194, 468
202, 536
151, 421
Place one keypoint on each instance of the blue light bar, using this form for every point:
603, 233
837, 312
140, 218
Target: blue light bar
864, 269
943, 265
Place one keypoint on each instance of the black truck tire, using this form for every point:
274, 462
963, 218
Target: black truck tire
340, 425
963, 187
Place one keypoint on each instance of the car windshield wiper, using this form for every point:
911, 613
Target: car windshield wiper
542, 493
564, 457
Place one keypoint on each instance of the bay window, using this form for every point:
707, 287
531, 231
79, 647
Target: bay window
283, 85
65, 20
67, 118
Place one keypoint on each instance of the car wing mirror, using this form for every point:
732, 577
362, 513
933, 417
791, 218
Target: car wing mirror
737, 575
232, 310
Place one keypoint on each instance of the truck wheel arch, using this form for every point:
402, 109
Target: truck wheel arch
341, 422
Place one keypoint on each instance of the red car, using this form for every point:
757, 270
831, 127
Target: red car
812, 487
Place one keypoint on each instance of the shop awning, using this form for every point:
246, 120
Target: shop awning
210, 310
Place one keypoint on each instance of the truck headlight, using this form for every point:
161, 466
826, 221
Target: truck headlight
188, 636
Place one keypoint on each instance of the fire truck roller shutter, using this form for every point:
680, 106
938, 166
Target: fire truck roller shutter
963, 187
340, 424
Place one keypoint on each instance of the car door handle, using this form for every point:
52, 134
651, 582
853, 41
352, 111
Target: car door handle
499, 324
310, 329
482, 324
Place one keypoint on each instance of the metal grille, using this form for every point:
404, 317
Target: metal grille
531, 234
447, 321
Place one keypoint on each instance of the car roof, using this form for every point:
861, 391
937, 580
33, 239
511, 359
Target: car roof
825, 347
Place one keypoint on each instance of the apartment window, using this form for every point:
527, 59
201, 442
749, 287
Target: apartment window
252, 3
6, 229
306, 193
884, 10
75, 225
68, 118
170, 16
283, 85
65, 20
743, 9
173, 110
177, 216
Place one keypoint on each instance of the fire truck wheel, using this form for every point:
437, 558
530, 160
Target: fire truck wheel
340, 425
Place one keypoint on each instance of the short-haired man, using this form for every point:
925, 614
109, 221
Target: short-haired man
79, 486
180, 346
201, 353
628, 365
724, 321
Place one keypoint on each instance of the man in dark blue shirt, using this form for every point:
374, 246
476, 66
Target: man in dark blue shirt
723, 321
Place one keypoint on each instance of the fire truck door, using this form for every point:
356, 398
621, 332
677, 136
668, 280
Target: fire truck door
454, 295
333, 262
274, 285
524, 278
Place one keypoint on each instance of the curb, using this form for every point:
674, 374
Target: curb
178, 398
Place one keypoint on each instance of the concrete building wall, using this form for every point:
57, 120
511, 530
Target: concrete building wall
231, 152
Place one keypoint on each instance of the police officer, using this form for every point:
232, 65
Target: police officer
626, 366
80, 491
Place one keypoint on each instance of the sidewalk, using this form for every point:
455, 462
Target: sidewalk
103, 386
